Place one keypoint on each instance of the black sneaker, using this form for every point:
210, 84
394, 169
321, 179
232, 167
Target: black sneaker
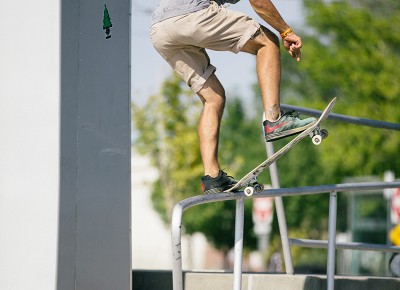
218, 184
288, 124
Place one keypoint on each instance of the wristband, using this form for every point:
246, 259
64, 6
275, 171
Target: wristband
286, 32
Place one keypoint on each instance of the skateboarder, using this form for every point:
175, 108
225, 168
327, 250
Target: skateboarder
181, 30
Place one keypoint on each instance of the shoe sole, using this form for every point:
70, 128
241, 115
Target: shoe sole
213, 190
218, 189
287, 133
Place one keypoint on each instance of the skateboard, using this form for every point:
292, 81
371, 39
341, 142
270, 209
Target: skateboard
249, 181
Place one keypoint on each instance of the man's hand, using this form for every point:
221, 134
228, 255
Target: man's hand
292, 44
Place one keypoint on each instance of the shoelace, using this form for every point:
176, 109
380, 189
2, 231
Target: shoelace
223, 172
292, 113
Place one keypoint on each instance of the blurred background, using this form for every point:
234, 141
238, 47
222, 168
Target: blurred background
351, 51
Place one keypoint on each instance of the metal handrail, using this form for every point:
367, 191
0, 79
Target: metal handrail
320, 244
345, 118
278, 193
331, 244
281, 192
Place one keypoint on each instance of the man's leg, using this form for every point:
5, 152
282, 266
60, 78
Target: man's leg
265, 45
212, 95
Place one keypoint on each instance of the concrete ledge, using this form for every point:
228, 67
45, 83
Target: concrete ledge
162, 280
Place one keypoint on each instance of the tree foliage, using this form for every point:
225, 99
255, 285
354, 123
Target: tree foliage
353, 54
167, 131
349, 51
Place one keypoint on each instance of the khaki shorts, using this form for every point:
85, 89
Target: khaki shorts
182, 40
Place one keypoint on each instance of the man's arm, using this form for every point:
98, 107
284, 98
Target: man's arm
268, 12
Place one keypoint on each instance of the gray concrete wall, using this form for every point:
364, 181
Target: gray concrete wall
94, 221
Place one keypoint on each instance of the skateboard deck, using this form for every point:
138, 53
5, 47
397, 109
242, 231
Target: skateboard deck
250, 179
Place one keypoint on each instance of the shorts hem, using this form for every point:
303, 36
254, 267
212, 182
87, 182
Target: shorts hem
198, 85
246, 36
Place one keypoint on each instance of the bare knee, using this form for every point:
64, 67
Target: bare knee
267, 37
261, 39
213, 93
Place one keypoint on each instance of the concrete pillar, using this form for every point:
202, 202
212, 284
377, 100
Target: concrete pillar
65, 145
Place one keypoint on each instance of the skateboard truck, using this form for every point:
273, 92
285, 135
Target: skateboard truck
318, 134
253, 186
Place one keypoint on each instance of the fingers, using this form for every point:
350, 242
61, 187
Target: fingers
296, 55
295, 52
293, 49
293, 44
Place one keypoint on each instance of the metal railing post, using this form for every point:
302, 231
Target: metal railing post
239, 221
331, 240
176, 237
280, 213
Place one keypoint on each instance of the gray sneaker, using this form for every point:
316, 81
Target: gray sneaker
218, 184
288, 124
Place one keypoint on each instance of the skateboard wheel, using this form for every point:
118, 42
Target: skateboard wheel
248, 191
258, 188
317, 139
324, 133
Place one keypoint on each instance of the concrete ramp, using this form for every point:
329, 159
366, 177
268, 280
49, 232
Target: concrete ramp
162, 280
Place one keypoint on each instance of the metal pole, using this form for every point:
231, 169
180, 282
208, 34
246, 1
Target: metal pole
176, 247
239, 220
280, 212
331, 240
321, 244
344, 118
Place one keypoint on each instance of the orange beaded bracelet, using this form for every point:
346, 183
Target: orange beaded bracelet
286, 32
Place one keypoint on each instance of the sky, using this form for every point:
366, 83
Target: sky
235, 71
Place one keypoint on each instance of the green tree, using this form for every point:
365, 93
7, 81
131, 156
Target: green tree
167, 131
350, 51
381, 8
353, 54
